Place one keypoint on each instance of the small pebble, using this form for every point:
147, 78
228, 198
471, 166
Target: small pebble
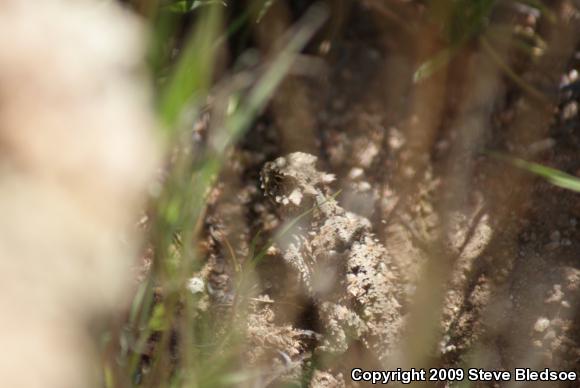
565, 304
551, 334
556, 295
195, 285
569, 111
541, 324
364, 186
355, 172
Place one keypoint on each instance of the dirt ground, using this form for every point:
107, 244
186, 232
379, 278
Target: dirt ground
488, 253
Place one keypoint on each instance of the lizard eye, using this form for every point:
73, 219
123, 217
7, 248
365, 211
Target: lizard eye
277, 186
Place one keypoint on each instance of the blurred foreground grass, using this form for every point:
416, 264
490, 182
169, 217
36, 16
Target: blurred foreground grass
184, 67
188, 70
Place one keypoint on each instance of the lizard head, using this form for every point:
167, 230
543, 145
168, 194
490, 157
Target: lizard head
289, 179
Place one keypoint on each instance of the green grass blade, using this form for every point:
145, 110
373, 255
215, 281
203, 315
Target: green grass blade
275, 73
555, 177
434, 64
193, 72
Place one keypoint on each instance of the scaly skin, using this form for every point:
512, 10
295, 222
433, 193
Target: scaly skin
340, 263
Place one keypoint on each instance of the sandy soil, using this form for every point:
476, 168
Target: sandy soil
488, 253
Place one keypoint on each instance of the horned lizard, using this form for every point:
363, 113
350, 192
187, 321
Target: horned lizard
340, 263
